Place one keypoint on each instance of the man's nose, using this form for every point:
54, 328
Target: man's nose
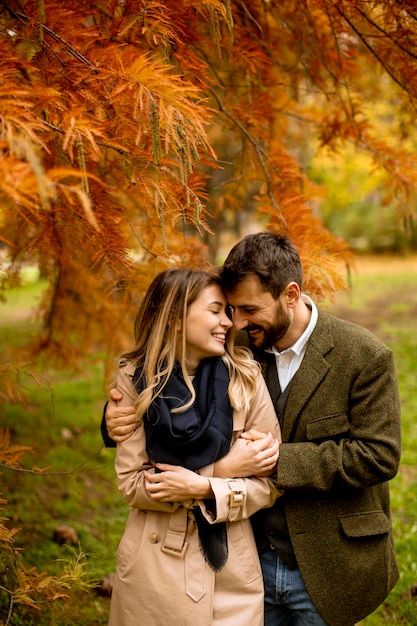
239, 320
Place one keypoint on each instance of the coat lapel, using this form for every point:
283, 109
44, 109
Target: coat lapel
313, 369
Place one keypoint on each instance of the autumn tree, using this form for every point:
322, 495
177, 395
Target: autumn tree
132, 130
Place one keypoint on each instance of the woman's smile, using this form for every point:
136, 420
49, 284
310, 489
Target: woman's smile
206, 326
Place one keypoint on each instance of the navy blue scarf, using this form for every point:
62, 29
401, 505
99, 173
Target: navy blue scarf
194, 438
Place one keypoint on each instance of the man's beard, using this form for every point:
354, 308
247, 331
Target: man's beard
273, 334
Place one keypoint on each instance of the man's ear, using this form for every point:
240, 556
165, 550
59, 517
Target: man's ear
292, 293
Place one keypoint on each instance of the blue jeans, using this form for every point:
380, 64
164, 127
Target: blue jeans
286, 599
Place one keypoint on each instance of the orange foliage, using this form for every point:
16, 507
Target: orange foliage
134, 134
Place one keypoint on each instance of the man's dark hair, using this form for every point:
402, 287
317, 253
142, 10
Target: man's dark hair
273, 258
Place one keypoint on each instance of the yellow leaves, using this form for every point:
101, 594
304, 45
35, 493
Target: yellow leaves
157, 93
17, 121
221, 8
10, 454
11, 387
27, 586
29, 187
30, 165
109, 143
6, 534
251, 58
78, 130
23, 179
105, 108
157, 26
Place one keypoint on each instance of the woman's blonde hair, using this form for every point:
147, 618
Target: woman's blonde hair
159, 343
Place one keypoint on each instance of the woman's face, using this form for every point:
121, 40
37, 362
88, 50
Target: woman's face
206, 327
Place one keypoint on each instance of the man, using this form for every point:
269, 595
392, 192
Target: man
326, 546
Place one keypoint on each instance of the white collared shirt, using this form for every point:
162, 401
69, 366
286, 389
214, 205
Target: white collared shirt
288, 361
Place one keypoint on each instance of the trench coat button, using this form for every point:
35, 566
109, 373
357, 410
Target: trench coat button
154, 538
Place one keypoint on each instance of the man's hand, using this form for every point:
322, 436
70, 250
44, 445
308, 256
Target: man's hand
121, 421
176, 484
253, 454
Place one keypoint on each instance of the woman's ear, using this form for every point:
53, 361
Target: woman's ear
178, 325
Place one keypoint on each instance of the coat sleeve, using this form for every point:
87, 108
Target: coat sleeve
239, 498
131, 456
355, 442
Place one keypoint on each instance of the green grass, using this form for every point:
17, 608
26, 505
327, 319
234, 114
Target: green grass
60, 422
62, 426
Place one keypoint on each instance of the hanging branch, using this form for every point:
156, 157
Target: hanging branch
371, 49
260, 152
386, 34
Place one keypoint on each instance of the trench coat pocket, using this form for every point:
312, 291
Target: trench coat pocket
365, 524
330, 426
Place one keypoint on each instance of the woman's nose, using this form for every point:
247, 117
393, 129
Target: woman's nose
227, 322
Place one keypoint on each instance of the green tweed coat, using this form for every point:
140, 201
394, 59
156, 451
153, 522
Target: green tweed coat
341, 446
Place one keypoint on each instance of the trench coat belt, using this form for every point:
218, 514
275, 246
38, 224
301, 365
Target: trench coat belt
174, 542
195, 568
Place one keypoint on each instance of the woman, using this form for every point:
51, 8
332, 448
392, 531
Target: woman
188, 555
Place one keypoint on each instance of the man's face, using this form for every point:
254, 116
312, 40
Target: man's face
265, 318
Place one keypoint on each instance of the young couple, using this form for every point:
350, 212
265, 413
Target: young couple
199, 457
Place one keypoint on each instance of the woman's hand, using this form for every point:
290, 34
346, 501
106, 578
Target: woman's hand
175, 484
253, 454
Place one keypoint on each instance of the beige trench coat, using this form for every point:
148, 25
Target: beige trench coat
161, 576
